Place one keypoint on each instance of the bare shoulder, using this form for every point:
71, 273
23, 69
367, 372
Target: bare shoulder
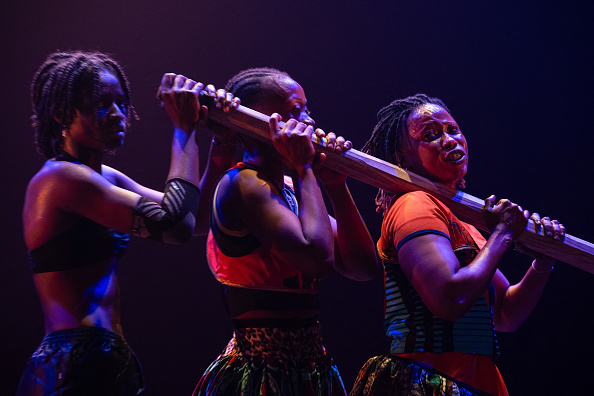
239, 190
250, 187
54, 184
59, 176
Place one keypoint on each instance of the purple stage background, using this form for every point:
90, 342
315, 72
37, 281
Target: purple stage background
516, 75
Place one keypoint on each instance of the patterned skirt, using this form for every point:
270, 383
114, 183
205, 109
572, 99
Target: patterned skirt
270, 362
393, 375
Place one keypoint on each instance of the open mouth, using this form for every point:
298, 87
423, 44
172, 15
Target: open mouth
456, 156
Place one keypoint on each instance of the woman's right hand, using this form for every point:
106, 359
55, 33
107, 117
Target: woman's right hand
293, 142
179, 96
505, 216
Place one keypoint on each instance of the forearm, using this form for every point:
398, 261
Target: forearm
355, 258
313, 217
184, 157
173, 220
221, 157
520, 299
471, 281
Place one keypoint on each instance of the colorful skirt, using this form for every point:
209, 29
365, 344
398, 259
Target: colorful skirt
270, 362
394, 375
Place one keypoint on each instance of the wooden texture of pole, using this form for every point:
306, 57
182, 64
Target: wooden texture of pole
381, 174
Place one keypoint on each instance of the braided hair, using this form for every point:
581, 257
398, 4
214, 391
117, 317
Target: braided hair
386, 141
58, 89
257, 84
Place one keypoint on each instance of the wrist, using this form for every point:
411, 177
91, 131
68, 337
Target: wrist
217, 141
540, 268
304, 170
503, 234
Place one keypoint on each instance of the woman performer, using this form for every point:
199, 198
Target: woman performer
271, 243
445, 295
78, 212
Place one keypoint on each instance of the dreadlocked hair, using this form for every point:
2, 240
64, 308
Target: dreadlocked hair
57, 91
386, 141
257, 84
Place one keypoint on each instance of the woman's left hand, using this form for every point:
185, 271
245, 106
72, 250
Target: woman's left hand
550, 229
331, 141
335, 143
226, 101
222, 99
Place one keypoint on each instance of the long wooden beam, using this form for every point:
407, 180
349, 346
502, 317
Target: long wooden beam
381, 174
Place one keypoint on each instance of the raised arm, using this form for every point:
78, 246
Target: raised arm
249, 200
114, 200
354, 249
313, 229
448, 290
221, 157
516, 302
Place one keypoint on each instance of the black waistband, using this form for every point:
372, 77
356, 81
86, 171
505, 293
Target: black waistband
241, 300
275, 323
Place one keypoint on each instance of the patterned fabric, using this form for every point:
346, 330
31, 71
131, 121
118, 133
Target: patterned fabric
408, 321
90, 361
394, 376
271, 362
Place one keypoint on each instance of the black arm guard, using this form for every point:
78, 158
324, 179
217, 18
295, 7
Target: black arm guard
173, 221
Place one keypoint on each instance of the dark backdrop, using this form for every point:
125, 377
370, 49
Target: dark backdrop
516, 75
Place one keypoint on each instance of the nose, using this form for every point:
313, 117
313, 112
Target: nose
115, 111
306, 119
448, 142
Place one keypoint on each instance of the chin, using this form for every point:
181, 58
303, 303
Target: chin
114, 146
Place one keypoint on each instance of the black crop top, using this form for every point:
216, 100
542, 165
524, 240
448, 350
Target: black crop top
87, 242
84, 244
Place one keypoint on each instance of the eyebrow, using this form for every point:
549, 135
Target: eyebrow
430, 120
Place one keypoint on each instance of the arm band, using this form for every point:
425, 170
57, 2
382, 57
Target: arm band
171, 222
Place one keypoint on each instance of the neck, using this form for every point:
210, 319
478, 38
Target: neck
90, 157
265, 159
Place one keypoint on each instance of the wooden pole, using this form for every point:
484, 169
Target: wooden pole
381, 174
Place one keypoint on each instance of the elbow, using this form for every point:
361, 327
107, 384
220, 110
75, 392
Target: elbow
324, 266
447, 309
505, 325
202, 228
358, 263
506, 328
362, 276
319, 265
450, 315
323, 271
360, 270
368, 267
180, 234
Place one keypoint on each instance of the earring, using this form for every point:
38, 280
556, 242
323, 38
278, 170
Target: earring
64, 130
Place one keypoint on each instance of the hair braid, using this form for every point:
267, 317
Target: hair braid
256, 84
58, 88
386, 141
